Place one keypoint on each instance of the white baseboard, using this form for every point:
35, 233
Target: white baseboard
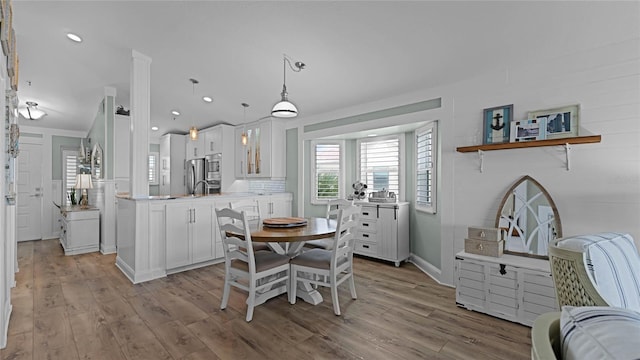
5, 330
427, 268
140, 276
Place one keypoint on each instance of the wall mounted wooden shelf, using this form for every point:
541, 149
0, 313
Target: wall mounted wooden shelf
566, 142
535, 143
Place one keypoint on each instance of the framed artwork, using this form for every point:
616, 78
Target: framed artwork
496, 124
562, 122
527, 130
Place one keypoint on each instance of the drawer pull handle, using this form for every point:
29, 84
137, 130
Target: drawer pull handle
365, 213
365, 224
482, 235
365, 235
365, 246
480, 247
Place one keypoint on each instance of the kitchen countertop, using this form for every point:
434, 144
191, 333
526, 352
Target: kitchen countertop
127, 196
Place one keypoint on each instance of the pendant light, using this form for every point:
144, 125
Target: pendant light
193, 131
244, 139
284, 108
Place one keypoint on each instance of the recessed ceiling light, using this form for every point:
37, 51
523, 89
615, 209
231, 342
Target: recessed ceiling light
370, 135
74, 37
207, 99
154, 128
175, 112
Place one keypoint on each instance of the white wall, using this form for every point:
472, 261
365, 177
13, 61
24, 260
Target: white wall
601, 191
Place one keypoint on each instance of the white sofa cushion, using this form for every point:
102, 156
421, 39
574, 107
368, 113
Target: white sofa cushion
599, 332
613, 265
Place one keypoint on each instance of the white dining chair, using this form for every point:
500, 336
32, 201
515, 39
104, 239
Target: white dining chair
252, 209
263, 274
332, 212
329, 268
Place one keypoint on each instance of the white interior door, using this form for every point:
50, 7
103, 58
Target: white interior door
29, 201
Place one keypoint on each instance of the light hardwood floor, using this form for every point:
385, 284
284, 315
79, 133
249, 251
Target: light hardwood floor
82, 307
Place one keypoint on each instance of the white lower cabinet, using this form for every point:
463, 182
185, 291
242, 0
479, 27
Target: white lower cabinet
510, 287
275, 205
383, 231
189, 234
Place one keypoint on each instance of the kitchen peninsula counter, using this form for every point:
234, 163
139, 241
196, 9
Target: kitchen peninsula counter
161, 235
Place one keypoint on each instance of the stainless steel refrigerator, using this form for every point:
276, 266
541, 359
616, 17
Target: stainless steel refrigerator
195, 176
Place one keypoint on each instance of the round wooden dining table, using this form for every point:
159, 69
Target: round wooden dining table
290, 240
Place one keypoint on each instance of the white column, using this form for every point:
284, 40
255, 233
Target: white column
140, 123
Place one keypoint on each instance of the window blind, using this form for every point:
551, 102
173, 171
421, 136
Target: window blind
69, 172
327, 171
380, 164
425, 168
153, 169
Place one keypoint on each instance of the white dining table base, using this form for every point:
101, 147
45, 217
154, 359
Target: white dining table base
305, 290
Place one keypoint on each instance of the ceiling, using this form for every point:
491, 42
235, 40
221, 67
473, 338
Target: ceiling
355, 52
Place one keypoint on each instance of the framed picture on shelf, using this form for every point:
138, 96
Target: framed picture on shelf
527, 130
562, 122
496, 124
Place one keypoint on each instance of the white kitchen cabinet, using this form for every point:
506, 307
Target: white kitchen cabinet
80, 230
383, 231
189, 234
510, 287
194, 148
172, 159
212, 140
275, 205
265, 151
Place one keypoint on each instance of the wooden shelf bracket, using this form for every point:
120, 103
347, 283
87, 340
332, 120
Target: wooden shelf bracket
567, 149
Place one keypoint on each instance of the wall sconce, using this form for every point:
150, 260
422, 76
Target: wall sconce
193, 133
285, 108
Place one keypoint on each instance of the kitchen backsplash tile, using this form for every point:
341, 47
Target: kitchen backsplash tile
266, 186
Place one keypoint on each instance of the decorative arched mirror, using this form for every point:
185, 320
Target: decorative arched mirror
96, 162
528, 219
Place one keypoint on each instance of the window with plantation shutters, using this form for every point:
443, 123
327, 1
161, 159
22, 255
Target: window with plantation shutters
326, 170
426, 168
153, 168
379, 163
69, 171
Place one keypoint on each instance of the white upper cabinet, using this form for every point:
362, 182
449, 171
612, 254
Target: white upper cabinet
263, 155
212, 140
195, 148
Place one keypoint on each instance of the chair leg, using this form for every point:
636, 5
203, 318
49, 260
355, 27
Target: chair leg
334, 297
226, 291
352, 286
251, 300
293, 284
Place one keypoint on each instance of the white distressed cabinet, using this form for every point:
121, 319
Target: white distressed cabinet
80, 230
513, 288
383, 231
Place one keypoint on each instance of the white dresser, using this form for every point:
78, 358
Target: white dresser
79, 230
383, 231
510, 287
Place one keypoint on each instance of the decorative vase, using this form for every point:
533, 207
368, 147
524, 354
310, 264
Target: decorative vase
72, 196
